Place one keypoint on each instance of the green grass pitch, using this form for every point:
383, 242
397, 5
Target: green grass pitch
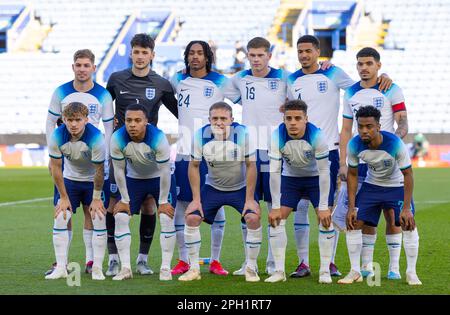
26, 249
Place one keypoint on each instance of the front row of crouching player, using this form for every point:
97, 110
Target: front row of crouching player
298, 169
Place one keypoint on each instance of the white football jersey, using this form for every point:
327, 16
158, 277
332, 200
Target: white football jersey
387, 103
142, 157
299, 155
385, 163
261, 99
79, 156
225, 159
321, 92
195, 97
98, 101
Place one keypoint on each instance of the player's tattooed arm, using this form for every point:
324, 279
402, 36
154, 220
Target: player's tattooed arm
99, 176
401, 118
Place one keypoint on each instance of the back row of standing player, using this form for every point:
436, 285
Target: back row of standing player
261, 90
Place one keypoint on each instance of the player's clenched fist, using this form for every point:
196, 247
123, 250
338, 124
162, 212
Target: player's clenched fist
275, 217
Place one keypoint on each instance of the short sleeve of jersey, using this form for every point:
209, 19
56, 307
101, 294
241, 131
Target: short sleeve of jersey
402, 156
54, 107
244, 140
347, 110
290, 81
230, 91
174, 80
53, 146
97, 145
197, 145
275, 145
117, 145
107, 110
340, 78
161, 146
395, 95
352, 153
320, 146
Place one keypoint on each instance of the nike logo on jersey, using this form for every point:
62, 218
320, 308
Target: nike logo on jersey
183, 90
329, 238
168, 236
101, 234
296, 90
124, 92
248, 83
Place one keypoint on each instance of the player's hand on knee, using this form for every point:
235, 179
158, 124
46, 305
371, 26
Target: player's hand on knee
343, 172
351, 219
324, 218
275, 217
167, 209
194, 206
407, 220
97, 208
63, 205
122, 207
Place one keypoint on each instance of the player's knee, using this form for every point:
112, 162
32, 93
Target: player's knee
167, 224
149, 206
60, 222
122, 222
251, 219
194, 218
367, 229
99, 224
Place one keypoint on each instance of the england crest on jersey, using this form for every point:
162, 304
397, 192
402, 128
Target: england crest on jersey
208, 91
150, 93
151, 156
378, 102
309, 154
273, 84
92, 109
322, 86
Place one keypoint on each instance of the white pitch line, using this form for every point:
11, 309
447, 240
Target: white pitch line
13, 203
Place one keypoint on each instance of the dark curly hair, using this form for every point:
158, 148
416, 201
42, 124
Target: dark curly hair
206, 50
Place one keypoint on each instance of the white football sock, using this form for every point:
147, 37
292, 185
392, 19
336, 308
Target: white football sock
244, 238
167, 239
253, 244
70, 233
411, 246
278, 241
354, 244
141, 257
326, 241
217, 231
335, 245
122, 236
99, 239
87, 238
193, 242
368, 246
113, 257
179, 226
301, 231
61, 239
270, 257
394, 244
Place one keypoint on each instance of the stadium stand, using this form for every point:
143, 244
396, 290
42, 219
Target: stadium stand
415, 57
29, 78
